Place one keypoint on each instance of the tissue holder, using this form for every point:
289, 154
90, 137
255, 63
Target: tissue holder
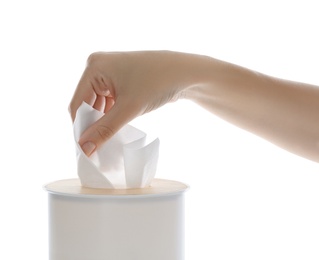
121, 224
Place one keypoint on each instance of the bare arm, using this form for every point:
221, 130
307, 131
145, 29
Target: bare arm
284, 112
126, 85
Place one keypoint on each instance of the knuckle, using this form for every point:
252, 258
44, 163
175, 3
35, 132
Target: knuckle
93, 57
72, 110
104, 132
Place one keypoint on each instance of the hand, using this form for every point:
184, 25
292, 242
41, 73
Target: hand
127, 85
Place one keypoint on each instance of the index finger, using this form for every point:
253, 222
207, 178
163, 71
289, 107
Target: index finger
83, 92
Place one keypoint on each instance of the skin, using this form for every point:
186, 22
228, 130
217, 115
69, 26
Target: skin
129, 84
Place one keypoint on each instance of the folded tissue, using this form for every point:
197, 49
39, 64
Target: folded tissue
124, 161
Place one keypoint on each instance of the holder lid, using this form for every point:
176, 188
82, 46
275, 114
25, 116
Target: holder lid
73, 187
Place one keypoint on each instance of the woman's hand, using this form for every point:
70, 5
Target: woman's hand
127, 85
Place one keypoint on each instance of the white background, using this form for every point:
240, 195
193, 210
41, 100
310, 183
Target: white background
248, 198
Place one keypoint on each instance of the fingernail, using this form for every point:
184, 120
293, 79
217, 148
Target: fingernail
88, 148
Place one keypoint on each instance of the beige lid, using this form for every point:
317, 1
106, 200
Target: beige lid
73, 187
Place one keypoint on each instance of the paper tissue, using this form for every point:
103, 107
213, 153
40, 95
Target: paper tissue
124, 161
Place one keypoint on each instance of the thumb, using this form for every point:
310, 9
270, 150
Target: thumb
103, 129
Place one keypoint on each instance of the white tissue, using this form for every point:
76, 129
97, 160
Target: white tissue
124, 161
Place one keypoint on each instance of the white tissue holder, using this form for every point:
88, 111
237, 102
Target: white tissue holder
116, 224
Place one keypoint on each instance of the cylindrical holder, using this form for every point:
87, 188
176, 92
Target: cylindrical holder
126, 224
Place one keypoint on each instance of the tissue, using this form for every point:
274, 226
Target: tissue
125, 161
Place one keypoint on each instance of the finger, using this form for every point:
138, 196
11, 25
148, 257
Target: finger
99, 103
100, 87
102, 130
108, 104
84, 92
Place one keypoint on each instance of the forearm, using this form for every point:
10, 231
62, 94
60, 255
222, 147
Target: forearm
283, 112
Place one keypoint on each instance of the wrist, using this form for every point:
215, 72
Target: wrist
203, 76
